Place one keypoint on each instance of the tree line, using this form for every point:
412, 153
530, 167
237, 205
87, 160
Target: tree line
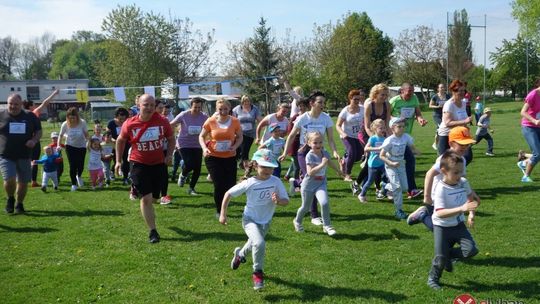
138, 48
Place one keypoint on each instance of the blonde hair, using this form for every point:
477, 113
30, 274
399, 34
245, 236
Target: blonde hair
223, 101
376, 123
244, 98
73, 111
299, 91
312, 134
376, 90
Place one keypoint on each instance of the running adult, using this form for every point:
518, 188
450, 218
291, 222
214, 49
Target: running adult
114, 126
296, 94
279, 118
146, 131
454, 114
219, 149
530, 128
190, 124
20, 131
406, 105
249, 116
76, 133
350, 126
436, 103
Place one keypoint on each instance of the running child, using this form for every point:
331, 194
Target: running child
107, 147
314, 183
392, 154
452, 197
50, 167
264, 191
275, 144
484, 130
375, 164
58, 149
94, 162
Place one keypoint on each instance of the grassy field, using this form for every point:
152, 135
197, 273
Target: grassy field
91, 246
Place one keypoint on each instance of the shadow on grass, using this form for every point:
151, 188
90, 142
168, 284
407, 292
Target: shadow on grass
73, 213
491, 193
313, 292
393, 235
514, 262
190, 236
27, 229
363, 217
528, 289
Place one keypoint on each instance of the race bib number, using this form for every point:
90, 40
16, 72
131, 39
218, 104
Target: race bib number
407, 112
193, 130
355, 129
265, 194
223, 145
151, 134
246, 126
461, 115
17, 128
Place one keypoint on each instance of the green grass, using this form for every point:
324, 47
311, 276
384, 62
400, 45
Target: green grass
91, 246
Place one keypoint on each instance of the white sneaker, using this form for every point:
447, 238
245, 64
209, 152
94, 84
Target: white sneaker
329, 230
291, 186
297, 226
362, 199
80, 181
209, 178
73, 188
434, 146
317, 221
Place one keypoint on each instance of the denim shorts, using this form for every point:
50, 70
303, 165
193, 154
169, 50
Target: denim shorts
20, 168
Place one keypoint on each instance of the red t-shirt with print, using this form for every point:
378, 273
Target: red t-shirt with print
147, 148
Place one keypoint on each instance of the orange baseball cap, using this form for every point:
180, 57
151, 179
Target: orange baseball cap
461, 135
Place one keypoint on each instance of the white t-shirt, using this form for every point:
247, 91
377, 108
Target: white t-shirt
272, 119
306, 123
75, 135
395, 146
447, 197
352, 123
259, 206
458, 113
94, 159
437, 167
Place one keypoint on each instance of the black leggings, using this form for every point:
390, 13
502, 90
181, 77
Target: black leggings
223, 173
36, 151
76, 158
192, 162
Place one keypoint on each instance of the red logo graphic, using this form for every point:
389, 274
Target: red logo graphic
464, 299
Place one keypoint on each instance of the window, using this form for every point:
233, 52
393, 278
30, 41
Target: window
18, 89
71, 90
12, 89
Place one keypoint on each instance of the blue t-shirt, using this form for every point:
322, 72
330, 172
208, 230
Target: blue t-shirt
275, 145
49, 162
374, 161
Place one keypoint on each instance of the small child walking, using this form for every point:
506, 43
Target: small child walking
275, 144
314, 183
375, 164
264, 191
50, 167
484, 128
107, 147
451, 198
392, 154
58, 149
94, 162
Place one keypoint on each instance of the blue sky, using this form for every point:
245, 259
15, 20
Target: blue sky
234, 21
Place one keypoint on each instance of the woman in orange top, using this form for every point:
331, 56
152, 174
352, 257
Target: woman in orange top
225, 136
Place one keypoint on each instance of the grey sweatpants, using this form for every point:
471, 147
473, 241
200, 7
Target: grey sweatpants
256, 243
321, 194
445, 239
397, 183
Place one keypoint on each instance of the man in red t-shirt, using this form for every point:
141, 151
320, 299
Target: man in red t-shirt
146, 133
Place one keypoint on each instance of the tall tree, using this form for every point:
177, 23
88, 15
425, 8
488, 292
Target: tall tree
9, 51
510, 65
527, 13
459, 45
356, 55
420, 55
257, 58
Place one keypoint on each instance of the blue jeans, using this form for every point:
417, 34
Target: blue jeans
372, 174
532, 136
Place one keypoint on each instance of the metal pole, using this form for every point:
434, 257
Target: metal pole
485, 67
447, 50
527, 60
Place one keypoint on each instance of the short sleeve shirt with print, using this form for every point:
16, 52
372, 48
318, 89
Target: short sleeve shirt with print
485, 121
440, 102
247, 120
259, 206
395, 146
222, 138
94, 159
458, 113
352, 123
306, 123
272, 119
447, 197
190, 128
374, 161
275, 145
405, 109
147, 148
313, 160
15, 131
115, 130
533, 100
437, 167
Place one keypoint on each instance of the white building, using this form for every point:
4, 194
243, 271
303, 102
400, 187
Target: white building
38, 90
